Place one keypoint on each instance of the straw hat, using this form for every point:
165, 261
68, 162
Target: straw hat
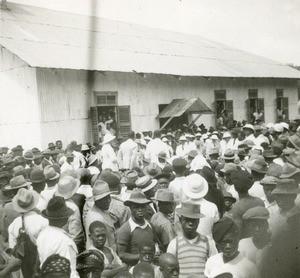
164, 195
16, 182
248, 126
25, 200
194, 186
67, 187
152, 170
145, 183
130, 177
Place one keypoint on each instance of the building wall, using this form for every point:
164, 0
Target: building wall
143, 94
19, 113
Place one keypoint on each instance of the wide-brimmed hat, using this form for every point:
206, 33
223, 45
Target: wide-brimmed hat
50, 173
92, 159
100, 190
286, 187
229, 167
163, 174
137, 197
37, 176
269, 153
28, 155
25, 200
7, 160
47, 152
213, 150
111, 178
37, 154
85, 148
226, 135
16, 182
190, 210
152, 170
67, 187
294, 159
194, 186
248, 126
288, 171
57, 209
295, 141
274, 170
228, 155
256, 213
130, 177
228, 195
145, 183
164, 195
192, 154
241, 152
269, 180
108, 138
17, 148
259, 166
165, 139
162, 155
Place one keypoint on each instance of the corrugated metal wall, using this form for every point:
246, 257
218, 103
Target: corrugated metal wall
19, 113
65, 104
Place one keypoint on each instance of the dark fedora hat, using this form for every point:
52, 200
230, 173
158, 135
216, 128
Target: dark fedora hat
57, 209
137, 197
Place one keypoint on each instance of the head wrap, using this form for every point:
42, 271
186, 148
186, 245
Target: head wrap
90, 260
56, 264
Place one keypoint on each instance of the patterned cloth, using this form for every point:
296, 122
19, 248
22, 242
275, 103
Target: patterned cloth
90, 260
56, 264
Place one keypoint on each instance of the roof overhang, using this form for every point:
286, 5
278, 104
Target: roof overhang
179, 106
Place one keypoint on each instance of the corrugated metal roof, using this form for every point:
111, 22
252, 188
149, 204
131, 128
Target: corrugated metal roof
52, 39
178, 106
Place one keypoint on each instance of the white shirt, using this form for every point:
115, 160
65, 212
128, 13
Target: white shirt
199, 162
48, 192
66, 166
54, 240
109, 158
257, 190
93, 170
34, 224
182, 150
175, 186
86, 190
239, 267
154, 147
250, 251
134, 225
126, 154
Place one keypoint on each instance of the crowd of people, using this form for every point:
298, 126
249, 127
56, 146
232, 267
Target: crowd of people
186, 203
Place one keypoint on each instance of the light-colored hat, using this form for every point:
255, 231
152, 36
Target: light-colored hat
25, 200
147, 138
67, 187
259, 166
278, 128
85, 148
92, 159
215, 137
286, 187
16, 182
130, 177
229, 155
229, 167
145, 183
226, 135
152, 170
137, 197
249, 126
285, 125
198, 134
288, 171
108, 138
165, 139
50, 173
164, 195
204, 136
100, 190
190, 210
182, 138
194, 186
269, 180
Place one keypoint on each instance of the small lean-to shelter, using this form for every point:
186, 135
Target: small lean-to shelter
61, 74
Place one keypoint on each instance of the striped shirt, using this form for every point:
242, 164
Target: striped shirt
192, 254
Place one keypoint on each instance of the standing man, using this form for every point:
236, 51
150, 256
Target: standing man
155, 146
191, 249
127, 152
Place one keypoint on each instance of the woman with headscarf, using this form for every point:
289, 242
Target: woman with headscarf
90, 264
56, 266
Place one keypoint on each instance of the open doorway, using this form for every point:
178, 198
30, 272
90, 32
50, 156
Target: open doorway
107, 116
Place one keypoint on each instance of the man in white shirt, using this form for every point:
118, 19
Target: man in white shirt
182, 149
53, 239
155, 146
127, 152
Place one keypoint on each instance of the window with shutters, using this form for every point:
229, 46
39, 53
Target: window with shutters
282, 106
255, 107
108, 117
223, 109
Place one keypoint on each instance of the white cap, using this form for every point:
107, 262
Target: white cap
182, 138
278, 128
214, 136
285, 125
226, 135
250, 126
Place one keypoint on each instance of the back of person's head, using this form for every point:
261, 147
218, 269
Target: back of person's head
143, 270
241, 180
123, 274
131, 135
156, 134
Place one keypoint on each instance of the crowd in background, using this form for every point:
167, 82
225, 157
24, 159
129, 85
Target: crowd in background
191, 202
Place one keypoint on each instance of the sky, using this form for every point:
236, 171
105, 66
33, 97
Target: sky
270, 28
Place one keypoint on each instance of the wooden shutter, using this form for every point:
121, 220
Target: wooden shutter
285, 108
124, 120
94, 119
249, 116
229, 108
261, 106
